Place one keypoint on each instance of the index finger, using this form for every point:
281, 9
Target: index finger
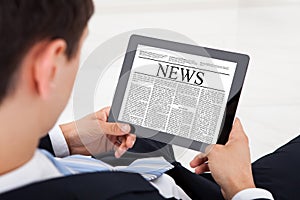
198, 160
130, 140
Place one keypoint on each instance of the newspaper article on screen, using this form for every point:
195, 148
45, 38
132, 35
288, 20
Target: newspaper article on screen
177, 93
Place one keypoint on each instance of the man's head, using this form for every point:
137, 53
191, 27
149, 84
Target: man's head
40, 42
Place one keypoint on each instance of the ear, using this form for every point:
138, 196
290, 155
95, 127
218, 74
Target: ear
49, 59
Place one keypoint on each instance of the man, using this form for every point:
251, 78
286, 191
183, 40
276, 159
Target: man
39, 60
41, 42
231, 169
232, 179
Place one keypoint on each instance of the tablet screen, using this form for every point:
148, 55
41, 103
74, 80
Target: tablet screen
177, 93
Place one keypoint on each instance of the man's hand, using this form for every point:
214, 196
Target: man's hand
229, 164
93, 135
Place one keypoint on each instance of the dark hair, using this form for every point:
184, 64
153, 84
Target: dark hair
26, 22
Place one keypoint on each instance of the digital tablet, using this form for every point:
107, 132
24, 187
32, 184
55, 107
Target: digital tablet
178, 93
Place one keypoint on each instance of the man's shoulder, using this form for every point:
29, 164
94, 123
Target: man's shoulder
104, 185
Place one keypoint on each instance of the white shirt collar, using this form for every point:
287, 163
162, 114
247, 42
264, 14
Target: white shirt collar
39, 168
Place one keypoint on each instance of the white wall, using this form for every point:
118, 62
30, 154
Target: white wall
269, 31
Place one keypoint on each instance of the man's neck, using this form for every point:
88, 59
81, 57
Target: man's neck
18, 136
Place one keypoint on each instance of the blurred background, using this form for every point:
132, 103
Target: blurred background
267, 30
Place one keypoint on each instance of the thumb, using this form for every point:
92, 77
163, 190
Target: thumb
116, 129
103, 114
237, 131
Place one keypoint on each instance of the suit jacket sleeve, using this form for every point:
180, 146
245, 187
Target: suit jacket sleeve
45, 143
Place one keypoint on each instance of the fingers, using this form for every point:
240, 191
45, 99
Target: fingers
118, 133
120, 148
237, 132
111, 128
198, 160
199, 163
103, 114
117, 129
237, 125
130, 140
120, 151
202, 168
124, 143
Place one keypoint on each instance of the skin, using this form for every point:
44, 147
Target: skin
42, 87
229, 164
93, 135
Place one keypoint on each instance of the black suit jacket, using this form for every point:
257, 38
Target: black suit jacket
195, 186
104, 185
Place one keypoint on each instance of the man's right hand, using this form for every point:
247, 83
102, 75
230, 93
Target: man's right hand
92, 135
230, 164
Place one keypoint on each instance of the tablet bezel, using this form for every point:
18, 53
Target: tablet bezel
242, 61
